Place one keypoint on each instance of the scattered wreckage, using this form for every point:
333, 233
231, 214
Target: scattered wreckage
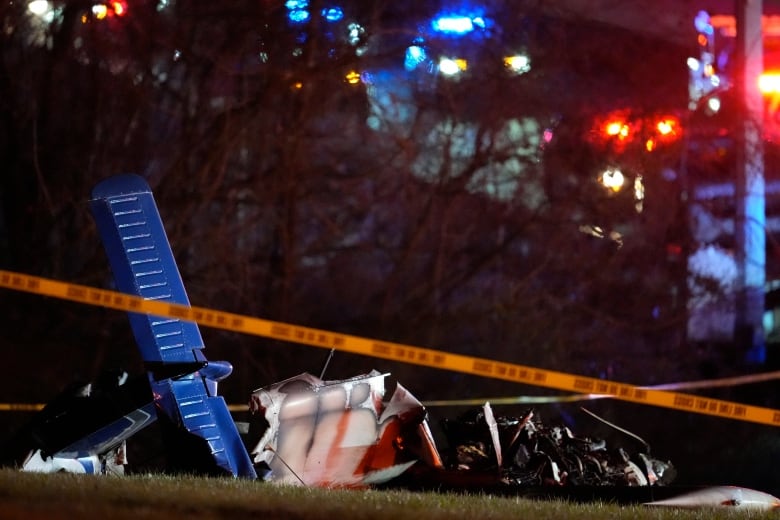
526, 452
303, 430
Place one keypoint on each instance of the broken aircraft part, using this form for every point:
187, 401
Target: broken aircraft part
721, 496
305, 430
338, 433
84, 429
142, 262
528, 452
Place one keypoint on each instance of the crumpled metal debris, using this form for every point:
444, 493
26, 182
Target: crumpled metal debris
338, 433
525, 451
721, 497
85, 428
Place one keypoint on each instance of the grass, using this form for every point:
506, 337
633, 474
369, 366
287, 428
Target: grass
64, 496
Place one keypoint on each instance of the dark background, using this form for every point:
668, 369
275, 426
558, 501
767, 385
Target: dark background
286, 195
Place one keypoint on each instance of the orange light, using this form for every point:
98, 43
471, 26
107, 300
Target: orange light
702, 40
352, 77
665, 127
100, 11
618, 129
650, 145
119, 8
769, 83
668, 128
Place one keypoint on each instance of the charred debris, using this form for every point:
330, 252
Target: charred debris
343, 433
525, 451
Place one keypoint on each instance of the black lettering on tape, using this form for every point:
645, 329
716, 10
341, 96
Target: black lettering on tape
381, 349
540, 377
484, 367
76, 292
178, 312
279, 330
681, 400
583, 385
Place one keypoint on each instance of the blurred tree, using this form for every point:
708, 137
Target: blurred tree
305, 174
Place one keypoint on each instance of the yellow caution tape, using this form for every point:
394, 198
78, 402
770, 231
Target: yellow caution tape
392, 351
542, 399
21, 407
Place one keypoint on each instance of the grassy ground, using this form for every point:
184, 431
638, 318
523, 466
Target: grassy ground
64, 496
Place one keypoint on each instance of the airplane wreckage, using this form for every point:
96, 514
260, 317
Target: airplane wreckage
304, 430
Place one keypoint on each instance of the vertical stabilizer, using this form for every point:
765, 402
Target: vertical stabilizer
142, 262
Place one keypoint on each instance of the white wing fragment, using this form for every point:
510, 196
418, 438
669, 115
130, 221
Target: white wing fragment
721, 496
340, 433
493, 428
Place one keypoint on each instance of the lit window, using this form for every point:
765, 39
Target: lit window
355, 31
518, 64
100, 11
333, 14
297, 10
451, 67
639, 194
612, 179
39, 7
414, 56
352, 77
713, 104
453, 24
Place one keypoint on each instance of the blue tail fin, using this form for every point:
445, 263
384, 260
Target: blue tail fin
142, 262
